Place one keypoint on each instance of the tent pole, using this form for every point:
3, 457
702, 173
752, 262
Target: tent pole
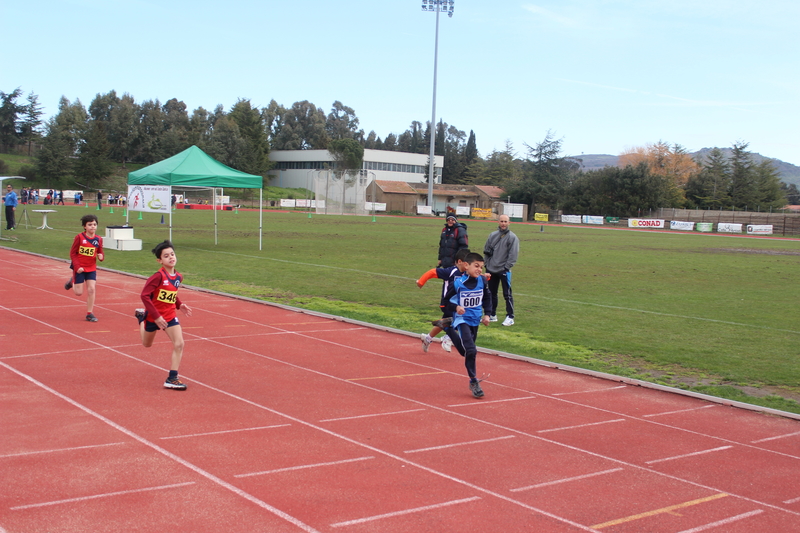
260, 214
214, 207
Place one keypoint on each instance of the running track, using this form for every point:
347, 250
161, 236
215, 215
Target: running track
299, 422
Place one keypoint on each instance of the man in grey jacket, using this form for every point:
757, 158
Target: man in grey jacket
500, 252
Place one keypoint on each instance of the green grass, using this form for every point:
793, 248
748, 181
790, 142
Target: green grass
709, 313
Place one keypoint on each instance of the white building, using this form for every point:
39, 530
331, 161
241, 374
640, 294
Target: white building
296, 168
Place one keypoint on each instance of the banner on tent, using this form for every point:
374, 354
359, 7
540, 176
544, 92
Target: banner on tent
151, 198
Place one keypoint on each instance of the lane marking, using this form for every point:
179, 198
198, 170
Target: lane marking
581, 425
223, 432
444, 446
566, 480
721, 448
56, 450
774, 438
723, 522
97, 496
57, 333
400, 376
372, 415
303, 467
407, 511
794, 500
660, 511
680, 411
588, 391
485, 402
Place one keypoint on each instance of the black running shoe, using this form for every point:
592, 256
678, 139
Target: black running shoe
68, 285
140, 314
476, 389
443, 323
91, 318
174, 384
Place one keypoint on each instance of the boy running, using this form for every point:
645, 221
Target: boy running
448, 274
470, 302
160, 298
87, 248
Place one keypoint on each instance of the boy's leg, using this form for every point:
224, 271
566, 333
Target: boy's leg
147, 336
175, 334
90, 294
467, 336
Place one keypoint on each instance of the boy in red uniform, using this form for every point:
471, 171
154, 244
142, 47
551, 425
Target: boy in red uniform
87, 248
160, 298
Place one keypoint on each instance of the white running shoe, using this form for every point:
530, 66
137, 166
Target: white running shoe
508, 321
447, 343
493, 318
426, 341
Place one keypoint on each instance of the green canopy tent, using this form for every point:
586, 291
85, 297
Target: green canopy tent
194, 168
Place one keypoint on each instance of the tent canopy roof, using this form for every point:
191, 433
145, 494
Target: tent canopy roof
194, 168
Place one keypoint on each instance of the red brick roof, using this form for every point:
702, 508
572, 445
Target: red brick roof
491, 191
395, 187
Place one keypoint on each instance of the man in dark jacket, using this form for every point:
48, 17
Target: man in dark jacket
453, 239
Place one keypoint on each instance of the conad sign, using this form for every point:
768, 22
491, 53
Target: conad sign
645, 223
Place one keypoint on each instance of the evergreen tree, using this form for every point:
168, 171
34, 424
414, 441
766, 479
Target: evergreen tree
9, 119
54, 157
93, 164
471, 152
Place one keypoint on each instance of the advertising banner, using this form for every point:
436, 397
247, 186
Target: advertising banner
612, 220
591, 219
705, 227
150, 198
646, 223
571, 219
541, 217
424, 210
462, 210
374, 206
753, 229
724, 227
681, 226
481, 213
287, 202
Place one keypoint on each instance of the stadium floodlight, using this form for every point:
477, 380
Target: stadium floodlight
443, 6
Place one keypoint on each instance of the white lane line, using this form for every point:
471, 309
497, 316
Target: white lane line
680, 411
303, 467
96, 496
224, 432
793, 500
444, 446
688, 455
407, 511
581, 425
486, 402
775, 438
566, 480
589, 391
371, 415
722, 522
56, 450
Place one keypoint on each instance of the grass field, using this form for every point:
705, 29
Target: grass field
710, 313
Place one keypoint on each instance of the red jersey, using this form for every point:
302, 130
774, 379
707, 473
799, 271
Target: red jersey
83, 253
160, 295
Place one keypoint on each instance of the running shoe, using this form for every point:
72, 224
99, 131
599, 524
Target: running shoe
493, 318
68, 285
426, 341
447, 343
175, 384
443, 323
90, 317
508, 321
139, 314
476, 389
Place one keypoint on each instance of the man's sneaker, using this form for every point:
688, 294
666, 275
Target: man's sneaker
447, 343
508, 321
426, 341
175, 384
476, 389
493, 318
68, 285
90, 317
139, 314
443, 323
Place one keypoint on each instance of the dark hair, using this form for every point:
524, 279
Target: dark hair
85, 219
473, 257
160, 247
462, 254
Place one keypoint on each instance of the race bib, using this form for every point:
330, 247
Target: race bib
470, 299
88, 251
169, 297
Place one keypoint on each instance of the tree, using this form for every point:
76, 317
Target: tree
742, 190
546, 175
71, 121
31, 121
768, 186
614, 191
93, 164
791, 192
150, 132
302, 127
226, 144
471, 151
9, 119
255, 159
54, 158
708, 189
348, 154
342, 123
672, 162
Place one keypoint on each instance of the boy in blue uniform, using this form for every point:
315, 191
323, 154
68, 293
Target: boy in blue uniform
449, 275
470, 302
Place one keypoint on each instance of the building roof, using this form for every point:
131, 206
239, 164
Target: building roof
395, 187
451, 189
491, 191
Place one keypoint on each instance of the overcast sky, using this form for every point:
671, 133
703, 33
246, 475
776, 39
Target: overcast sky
602, 75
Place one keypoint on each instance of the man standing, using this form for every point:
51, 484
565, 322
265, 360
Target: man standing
501, 251
10, 201
453, 238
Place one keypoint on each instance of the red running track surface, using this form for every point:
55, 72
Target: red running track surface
296, 422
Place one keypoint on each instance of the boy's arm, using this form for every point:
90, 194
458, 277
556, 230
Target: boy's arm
147, 294
487, 299
73, 251
100, 254
430, 274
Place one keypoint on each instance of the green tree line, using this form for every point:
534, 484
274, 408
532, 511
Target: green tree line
82, 145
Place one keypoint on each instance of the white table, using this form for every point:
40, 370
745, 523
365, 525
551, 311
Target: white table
44, 214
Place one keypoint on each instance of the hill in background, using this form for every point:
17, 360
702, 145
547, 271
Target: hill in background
788, 172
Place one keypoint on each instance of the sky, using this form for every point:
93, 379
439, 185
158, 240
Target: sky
602, 76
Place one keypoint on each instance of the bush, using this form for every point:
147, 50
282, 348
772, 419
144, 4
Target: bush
3, 167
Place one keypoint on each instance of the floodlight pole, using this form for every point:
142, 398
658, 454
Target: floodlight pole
447, 6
